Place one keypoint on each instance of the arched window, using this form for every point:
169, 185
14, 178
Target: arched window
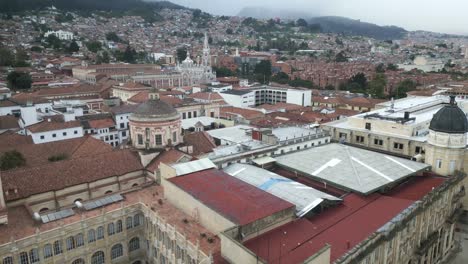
58, 247
116, 251
34, 255
119, 226
70, 243
24, 258
110, 229
137, 220
137, 262
8, 260
134, 244
78, 261
108, 192
98, 258
129, 222
100, 232
135, 185
48, 251
79, 240
43, 210
91, 235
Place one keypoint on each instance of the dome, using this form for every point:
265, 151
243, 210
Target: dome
155, 110
450, 119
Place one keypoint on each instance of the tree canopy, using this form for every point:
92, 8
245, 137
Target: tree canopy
19, 80
11, 159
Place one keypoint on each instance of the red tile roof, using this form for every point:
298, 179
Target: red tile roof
101, 123
245, 113
201, 142
167, 157
45, 126
349, 223
206, 96
8, 122
62, 174
236, 200
38, 154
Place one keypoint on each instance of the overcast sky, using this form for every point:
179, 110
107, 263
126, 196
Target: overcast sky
449, 16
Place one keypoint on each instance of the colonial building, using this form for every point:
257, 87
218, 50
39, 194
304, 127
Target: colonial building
155, 124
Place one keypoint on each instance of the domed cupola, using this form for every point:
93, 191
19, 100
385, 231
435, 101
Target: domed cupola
155, 110
450, 119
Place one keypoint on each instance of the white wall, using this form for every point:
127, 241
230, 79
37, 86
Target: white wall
296, 96
48, 135
246, 100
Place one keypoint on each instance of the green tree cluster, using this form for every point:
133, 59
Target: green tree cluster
11, 159
19, 80
403, 88
263, 72
94, 46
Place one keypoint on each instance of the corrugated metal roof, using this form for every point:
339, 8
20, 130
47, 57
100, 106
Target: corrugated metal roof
352, 168
304, 197
193, 166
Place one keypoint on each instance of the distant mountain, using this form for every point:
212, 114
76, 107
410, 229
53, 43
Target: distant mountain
347, 26
85, 5
266, 12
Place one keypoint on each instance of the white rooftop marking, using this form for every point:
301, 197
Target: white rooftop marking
332, 163
401, 164
372, 169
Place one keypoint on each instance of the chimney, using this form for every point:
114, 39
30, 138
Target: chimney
407, 115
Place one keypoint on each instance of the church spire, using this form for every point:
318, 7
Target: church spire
206, 59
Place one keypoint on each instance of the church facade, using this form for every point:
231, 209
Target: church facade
195, 73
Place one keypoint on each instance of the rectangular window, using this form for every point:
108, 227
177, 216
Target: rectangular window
54, 135
378, 142
359, 139
174, 137
42, 137
122, 125
76, 132
397, 145
124, 134
194, 113
368, 125
158, 140
140, 139
452, 166
189, 114
438, 163
212, 114
418, 149
184, 116
64, 134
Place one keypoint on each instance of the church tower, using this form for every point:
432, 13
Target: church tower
206, 59
446, 143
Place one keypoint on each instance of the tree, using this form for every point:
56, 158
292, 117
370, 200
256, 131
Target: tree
281, 78
73, 47
54, 42
7, 58
129, 55
229, 31
94, 46
403, 88
223, 72
341, 57
36, 49
392, 67
17, 80
181, 54
112, 36
105, 57
263, 71
377, 86
11, 159
301, 23
380, 68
